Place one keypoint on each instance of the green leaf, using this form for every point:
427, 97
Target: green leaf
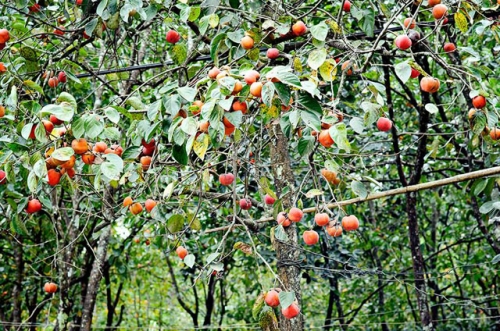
403, 71
359, 189
175, 223
188, 93
194, 13
63, 111
112, 167
368, 25
34, 86
32, 182
496, 259
179, 154
189, 260
189, 126
286, 299
179, 53
66, 97
112, 114
310, 103
338, 132
306, 145
258, 305
268, 94
316, 58
486, 207
431, 108
40, 169
11, 101
280, 234
90, 26
235, 117
93, 126
288, 78
320, 31
18, 226
63, 153
357, 125
213, 20
214, 46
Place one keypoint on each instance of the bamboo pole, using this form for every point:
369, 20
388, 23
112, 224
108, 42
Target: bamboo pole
379, 195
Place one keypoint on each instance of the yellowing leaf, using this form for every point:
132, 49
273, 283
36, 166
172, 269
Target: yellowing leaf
245, 248
461, 22
297, 65
328, 70
334, 26
200, 145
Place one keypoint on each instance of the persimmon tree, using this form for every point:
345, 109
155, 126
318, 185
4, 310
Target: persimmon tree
185, 137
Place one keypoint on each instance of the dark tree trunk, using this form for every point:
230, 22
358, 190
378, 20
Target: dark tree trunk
210, 301
17, 289
287, 253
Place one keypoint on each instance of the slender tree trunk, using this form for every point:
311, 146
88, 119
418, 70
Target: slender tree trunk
411, 198
17, 289
210, 301
287, 253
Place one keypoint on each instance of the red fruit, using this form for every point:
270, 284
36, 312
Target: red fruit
334, 231
53, 82
79, 2
292, 311
135, 208
226, 179
347, 6
149, 151
251, 77
409, 23
350, 223
80, 146
54, 177
479, 102
85, 35
273, 53
59, 31
439, 11
272, 299
213, 72
403, 42
384, 124
181, 252
100, 147
145, 162
247, 42
295, 214
149, 204
269, 200
245, 204
49, 126
299, 28
55, 120
325, 139
322, 219
2, 46
256, 89
449, 47
414, 73
62, 77
4, 36
283, 219
33, 206
32, 132
2, 177
173, 37
2, 68
311, 237
88, 158
35, 8
240, 106
429, 84
50, 288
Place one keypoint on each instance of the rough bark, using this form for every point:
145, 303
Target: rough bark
97, 267
287, 253
411, 201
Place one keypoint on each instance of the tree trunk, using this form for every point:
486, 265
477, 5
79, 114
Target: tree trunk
287, 253
17, 289
418, 261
